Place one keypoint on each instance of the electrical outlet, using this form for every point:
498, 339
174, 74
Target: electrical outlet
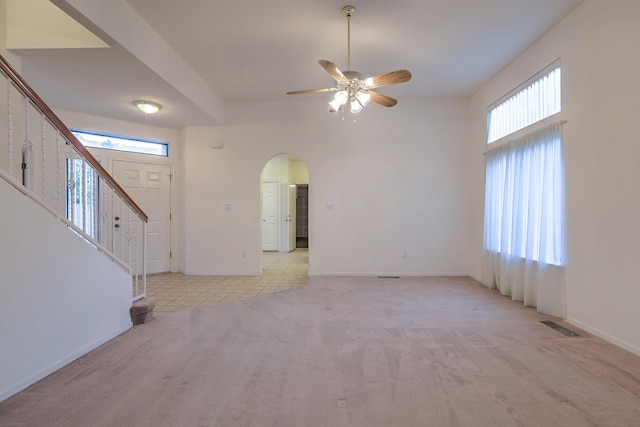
244, 254
404, 255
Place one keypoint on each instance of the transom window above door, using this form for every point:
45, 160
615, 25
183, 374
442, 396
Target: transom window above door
131, 145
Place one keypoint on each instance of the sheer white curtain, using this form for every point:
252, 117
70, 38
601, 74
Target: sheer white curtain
524, 230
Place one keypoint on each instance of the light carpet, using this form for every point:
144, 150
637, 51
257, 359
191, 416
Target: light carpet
344, 352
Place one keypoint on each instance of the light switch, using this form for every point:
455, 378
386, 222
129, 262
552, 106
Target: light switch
227, 206
331, 206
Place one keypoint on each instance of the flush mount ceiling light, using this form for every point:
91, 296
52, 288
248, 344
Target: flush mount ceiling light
352, 86
148, 107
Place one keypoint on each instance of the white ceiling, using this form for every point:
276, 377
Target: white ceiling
248, 50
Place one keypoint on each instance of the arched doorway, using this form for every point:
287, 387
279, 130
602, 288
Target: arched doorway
284, 209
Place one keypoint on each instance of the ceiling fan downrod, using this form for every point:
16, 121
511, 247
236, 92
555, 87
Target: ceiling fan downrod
348, 11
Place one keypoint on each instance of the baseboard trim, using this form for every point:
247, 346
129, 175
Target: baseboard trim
370, 274
605, 336
16, 388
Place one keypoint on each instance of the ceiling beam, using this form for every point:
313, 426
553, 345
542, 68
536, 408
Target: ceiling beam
117, 20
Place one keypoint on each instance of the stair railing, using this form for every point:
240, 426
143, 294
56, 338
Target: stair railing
42, 158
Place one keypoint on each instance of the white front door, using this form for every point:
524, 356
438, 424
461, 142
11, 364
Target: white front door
149, 186
270, 212
288, 218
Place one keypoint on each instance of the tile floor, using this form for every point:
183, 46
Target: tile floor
177, 291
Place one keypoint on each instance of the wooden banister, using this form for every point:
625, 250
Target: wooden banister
64, 130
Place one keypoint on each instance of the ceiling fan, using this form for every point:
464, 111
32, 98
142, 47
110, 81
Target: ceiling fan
352, 86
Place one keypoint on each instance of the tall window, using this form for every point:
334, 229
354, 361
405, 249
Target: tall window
524, 230
524, 198
82, 197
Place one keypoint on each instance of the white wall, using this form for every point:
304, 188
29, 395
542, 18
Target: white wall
397, 178
3, 26
276, 169
38, 24
59, 298
298, 173
286, 170
597, 44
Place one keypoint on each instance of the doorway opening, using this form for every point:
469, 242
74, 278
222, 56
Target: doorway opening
284, 197
302, 216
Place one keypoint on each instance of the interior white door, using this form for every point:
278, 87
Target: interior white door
270, 229
149, 185
288, 218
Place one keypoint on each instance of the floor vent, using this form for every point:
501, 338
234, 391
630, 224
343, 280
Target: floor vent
388, 277
563, 331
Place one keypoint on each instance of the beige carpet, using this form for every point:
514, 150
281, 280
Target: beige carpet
344, 352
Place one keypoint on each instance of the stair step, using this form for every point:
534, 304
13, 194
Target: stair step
142, 311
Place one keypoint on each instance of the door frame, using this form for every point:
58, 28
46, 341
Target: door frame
170, 189
290, 175
109, 156
287, 221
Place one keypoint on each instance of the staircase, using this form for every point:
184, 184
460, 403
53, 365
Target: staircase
42, 159
72, 243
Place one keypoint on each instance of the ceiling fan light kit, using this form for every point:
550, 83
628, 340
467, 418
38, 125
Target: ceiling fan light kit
351, 86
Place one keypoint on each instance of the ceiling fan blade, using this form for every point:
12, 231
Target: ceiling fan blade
398, 76
331, 68
384, 100
299, 92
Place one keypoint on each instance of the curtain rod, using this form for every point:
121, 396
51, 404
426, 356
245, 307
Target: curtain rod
530, 129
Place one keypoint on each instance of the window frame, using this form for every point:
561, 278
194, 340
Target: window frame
557, 64
164, 151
